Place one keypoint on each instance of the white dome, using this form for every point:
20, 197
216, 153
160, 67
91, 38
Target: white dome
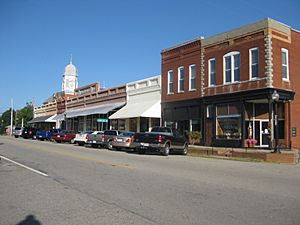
70, 69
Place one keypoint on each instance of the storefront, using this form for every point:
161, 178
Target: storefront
89, 118
183, 115
249, 119
143, 108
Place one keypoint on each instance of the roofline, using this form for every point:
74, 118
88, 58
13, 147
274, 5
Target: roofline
182, 44
246, 29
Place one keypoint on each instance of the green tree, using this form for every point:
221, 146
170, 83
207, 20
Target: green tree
5, 120
25, 113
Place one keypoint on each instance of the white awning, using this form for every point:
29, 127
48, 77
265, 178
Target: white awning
150, 109
51, 119
100, 109
41, 119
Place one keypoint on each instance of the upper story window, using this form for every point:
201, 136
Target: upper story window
192, 76
285, 63
181, 79
212, 72
170, 82
231, 62
254, 63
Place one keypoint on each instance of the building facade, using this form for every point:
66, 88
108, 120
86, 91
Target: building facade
181, 86
143, 107
248, 81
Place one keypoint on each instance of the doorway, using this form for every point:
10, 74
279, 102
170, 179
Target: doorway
261, 132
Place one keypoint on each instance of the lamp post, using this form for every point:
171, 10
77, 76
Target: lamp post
275, 99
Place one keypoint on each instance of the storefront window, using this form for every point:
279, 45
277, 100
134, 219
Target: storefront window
89, 122
195, 125
80, 123
144, 124
133, 124
114, 124
155, 122
228, 122
121, 124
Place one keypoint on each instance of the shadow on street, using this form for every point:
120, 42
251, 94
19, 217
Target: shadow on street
30, 220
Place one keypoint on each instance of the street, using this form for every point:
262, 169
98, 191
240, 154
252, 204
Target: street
66, 184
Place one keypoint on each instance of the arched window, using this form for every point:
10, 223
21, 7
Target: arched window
231, 65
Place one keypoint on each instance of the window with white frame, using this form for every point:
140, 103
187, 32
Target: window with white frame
285, 63
212, 72
170, 82
181, 79
254, 63
231, 67
192, 76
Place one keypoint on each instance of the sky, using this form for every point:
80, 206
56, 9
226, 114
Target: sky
113, 42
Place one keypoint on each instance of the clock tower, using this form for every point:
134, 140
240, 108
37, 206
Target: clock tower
70, 79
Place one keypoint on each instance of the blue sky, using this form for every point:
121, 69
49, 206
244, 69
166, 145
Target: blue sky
111, 41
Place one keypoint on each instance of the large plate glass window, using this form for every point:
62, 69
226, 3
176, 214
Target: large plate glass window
231, 67
181, 79
254, 63
228, 121
192, 79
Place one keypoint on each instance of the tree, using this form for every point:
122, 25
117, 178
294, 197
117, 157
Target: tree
25, 113
5, 120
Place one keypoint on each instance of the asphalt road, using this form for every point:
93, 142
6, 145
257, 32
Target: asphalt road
78, 185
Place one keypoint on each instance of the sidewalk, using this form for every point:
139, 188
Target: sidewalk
287, 157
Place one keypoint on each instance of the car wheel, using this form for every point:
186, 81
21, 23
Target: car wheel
166, 150
140, 151
185, 150
80, 143
16, 136
94, 145
109, 145
58, 141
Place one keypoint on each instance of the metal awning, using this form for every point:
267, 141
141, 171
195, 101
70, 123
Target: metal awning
150, 109
100, 109
59, 117
41, 119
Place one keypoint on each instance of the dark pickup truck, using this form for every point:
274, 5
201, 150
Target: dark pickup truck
46, 135
161, 139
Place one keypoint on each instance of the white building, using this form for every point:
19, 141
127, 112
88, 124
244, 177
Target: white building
143, 110
70, 79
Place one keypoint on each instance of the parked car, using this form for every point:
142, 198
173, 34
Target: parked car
81, 138
17, 132
95, 139
29, 132
124, 140
46, 135
161, 139
64, 136
109, 136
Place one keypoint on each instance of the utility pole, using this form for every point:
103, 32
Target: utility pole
11, 116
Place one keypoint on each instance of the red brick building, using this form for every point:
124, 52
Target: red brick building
237, 75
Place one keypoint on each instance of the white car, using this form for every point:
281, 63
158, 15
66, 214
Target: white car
82, 138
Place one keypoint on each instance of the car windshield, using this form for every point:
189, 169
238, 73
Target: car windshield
126, 134
18, 128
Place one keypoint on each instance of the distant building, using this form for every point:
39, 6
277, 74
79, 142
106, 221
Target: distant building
70, 79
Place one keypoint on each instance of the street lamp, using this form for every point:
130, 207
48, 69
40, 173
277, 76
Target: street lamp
275, 99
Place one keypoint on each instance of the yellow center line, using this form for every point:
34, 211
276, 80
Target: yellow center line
39, 148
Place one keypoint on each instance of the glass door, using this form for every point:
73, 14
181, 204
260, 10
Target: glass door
264, 133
